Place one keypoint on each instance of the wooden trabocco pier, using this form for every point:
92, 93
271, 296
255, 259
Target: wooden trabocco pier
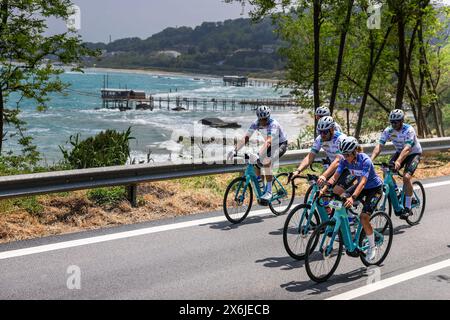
130, 99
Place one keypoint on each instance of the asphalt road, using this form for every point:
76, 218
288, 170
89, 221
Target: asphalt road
205, 257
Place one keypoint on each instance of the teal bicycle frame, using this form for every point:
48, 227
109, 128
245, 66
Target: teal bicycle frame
313, 206
389, 191
350, 241
251, 177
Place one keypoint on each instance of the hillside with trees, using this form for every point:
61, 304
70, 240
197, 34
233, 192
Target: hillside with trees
212, 47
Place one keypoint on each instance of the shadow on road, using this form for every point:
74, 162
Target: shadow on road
401, 229
278, 232
442, 278
226, 225
284, 263
319, 288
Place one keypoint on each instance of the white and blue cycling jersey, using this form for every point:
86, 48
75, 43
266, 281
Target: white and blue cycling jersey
406, 135
363, 167
331, 147
273, 129
337, 127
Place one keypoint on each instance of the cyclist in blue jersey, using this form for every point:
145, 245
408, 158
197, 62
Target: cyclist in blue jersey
325, 112
274, 147
408, 152
368, 189
328, 140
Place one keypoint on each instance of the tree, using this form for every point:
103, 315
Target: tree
374, 69
26, 53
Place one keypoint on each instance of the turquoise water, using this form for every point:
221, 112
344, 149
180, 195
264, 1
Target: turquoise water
157, 131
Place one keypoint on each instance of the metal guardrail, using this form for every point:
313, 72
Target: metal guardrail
132, 175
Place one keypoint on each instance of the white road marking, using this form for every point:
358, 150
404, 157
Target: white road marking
436, 184
391, 281
116, 236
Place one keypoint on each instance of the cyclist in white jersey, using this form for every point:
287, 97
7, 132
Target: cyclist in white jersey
328, 140
408, 152
325, 112
274, 147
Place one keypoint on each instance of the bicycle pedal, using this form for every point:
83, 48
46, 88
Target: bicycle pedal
264, 203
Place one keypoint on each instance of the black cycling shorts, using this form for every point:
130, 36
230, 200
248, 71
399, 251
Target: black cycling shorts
345, 180
369, 197
410, 163
280, 151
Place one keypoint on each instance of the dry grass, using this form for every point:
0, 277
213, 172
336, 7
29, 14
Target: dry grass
74, 212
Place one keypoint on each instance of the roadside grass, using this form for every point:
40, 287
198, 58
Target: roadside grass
67, 212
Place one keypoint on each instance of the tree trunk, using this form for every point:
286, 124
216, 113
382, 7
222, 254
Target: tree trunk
340, 55
1, 120
372, 67
401, 61
316, 13
362, 109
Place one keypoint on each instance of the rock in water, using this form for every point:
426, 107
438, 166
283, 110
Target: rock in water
219, 123
178, 109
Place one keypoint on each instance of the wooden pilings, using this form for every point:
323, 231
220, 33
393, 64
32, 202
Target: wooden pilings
180, 103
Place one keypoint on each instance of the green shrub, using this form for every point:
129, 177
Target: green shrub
30, 204
107, 196
108, 148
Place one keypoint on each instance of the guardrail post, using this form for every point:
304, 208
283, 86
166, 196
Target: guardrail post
132, 195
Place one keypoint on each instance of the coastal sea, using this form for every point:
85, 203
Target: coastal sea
79, 111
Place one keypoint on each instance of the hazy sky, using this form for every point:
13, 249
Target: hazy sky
142, 18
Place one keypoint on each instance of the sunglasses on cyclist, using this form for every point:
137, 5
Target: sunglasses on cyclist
324, 132
347, 155
396, 122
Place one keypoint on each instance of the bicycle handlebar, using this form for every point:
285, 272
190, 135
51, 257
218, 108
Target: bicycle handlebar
325, 161
308, 177
389, 166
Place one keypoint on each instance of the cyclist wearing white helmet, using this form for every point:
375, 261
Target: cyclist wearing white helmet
328, 140
368, 189
274, 147
408, 152
325, 112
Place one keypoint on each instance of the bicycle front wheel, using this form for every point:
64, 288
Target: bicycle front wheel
384, 232
284, 191
297, 230
323, 253
418, 204
238, 200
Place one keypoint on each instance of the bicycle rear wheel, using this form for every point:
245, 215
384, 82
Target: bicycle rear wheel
283, 188
418, 204
323, 256
384, 232
237, 202
297, 230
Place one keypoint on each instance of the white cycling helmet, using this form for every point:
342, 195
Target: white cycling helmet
323, 112
325, 123
348, 145
396, 115
263, 112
